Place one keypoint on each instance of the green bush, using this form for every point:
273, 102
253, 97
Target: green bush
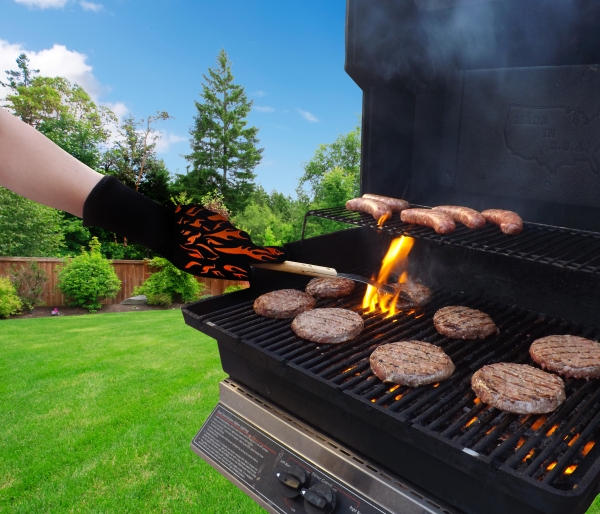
168, 282
88, 279
9, 301
232, 289
29, 281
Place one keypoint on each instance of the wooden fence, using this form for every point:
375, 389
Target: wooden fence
130, 273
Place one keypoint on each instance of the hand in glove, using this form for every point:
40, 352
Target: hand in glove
208, 245
193, 238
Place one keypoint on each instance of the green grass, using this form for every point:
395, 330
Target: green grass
97, 413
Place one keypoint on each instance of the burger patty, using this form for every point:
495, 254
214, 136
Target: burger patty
518, 388
411, 363
570, 356
284, 303
411, 295
329, 287
463, 323
329, 326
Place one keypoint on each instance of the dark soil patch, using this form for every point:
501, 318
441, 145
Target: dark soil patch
42, 312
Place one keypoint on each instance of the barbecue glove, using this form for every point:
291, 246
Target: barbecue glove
193, 238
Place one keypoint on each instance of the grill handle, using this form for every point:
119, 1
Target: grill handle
300, 268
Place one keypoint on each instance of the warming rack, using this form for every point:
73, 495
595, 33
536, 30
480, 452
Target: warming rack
550, 449
566, 248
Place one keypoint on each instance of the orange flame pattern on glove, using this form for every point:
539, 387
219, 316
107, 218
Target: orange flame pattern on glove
210, 246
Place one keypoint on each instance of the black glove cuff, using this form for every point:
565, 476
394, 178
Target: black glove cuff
113, 206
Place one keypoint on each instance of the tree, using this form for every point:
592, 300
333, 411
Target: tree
224, 150
64, 113
28, 229
271, 219
20, 77
343, 153
132, 157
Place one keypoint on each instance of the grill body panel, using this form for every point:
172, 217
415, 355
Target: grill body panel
420, 433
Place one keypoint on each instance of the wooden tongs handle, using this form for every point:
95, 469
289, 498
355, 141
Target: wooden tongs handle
300, 268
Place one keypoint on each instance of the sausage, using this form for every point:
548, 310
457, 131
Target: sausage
378, 210
396, 204
438, 221
510, 222
468, 217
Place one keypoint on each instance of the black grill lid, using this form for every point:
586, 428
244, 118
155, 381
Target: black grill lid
489, 104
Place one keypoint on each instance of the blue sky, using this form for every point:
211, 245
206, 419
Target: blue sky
142, 56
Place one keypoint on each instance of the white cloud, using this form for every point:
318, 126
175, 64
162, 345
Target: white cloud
308, 116
258, 94
44, 4
57, 61
263, 108
91, 6
119, 108
163, 145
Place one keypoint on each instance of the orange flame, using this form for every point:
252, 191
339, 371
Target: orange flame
528, 455
538, 423
587, 448
383, 219
570, 469
470, 422
396, 258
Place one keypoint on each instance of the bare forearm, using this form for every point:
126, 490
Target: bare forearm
34, 167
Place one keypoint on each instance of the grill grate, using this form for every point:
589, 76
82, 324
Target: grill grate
552, 448
572, 249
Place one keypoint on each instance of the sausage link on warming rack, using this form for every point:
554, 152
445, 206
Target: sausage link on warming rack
567, 248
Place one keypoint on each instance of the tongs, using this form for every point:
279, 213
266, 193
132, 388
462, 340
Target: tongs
301, 268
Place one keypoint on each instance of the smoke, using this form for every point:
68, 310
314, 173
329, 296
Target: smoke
420, 42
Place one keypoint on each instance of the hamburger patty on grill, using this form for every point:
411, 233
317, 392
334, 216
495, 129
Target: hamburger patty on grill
411, 295
329, 287
463, 323
329, 326
284, 303
570, 356
411, 363
518, 388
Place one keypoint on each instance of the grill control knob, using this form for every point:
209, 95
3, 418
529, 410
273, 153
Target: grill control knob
291, 481
319, 499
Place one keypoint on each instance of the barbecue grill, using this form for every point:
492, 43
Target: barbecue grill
487, 104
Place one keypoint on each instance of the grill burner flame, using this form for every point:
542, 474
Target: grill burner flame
396, 259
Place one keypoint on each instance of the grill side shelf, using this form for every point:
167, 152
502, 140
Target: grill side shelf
576, 250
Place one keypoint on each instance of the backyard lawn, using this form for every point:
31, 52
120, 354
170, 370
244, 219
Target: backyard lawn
97, 413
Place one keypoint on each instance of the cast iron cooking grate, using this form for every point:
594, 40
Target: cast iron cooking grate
556, 449
557, 246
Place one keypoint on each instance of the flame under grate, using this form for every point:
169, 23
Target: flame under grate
554, 449
556, 246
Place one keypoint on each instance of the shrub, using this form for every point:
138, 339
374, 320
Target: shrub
236, 287
88, 279
163, 285
9, 301
29, 283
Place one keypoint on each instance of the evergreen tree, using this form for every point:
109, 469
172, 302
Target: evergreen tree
224, 150
20, 77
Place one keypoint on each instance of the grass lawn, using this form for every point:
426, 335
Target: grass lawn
97, 413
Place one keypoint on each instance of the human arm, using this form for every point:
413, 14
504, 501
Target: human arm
193, 238
34, 167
